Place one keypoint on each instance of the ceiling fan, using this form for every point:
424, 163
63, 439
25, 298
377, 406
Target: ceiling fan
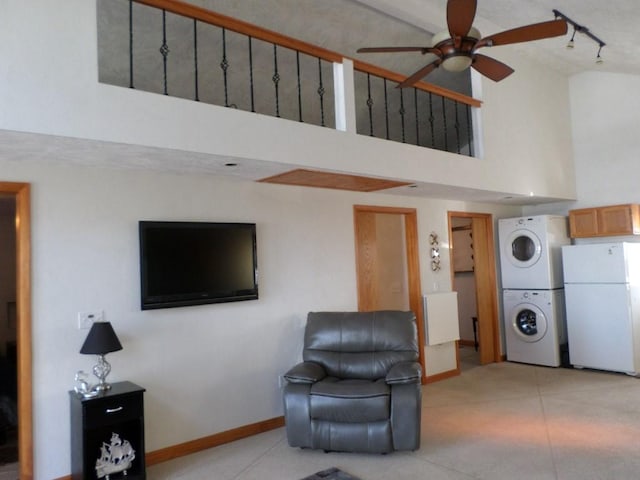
456, 48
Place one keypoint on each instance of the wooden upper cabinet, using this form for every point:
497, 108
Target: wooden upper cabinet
583, 222
605, 221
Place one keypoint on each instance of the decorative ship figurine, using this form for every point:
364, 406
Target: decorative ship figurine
115, 457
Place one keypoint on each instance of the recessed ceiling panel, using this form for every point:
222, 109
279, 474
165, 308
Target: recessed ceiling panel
337, 181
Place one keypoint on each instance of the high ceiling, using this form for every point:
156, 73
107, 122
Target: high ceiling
613, 22
346, 25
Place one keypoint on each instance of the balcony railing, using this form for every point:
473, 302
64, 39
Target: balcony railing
175, 48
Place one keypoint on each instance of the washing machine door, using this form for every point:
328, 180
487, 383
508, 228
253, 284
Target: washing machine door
523, 248
528, 322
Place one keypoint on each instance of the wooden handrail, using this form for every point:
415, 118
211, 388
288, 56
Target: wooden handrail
185, 9
207, 16
427, 87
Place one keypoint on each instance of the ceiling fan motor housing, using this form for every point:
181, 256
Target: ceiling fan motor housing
456, 58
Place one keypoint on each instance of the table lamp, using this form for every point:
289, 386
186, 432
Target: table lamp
100, 341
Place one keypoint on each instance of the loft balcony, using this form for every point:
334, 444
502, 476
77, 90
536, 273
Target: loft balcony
177, 49
67, 99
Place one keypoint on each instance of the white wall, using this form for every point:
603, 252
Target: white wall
208, 368
605, 110
604, 119
527, 128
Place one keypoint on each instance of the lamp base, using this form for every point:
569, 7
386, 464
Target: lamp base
102, 387
101, 370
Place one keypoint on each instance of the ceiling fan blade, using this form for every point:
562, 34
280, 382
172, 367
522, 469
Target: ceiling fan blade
491, 68
390, 49
424, 71
528, 33
460, 15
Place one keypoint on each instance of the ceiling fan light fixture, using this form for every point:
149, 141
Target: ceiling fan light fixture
457, 63
455, 49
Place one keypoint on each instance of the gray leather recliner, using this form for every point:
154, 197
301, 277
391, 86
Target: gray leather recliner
358, 387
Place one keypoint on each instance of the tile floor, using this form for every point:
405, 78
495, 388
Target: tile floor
500, 421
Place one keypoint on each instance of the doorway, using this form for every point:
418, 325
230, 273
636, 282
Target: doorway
20, 193
473, 273
395, 230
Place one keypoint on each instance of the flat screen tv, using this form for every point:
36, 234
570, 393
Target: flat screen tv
195, 263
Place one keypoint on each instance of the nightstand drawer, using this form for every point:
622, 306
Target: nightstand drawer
112, 410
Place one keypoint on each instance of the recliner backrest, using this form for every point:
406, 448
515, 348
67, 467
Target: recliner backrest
361, 345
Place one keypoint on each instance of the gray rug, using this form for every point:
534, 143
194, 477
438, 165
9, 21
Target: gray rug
331, 474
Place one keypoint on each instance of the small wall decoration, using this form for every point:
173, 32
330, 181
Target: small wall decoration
435, 251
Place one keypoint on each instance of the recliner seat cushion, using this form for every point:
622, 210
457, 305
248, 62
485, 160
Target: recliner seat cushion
349, 401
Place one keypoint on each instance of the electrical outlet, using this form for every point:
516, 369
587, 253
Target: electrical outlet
86, 319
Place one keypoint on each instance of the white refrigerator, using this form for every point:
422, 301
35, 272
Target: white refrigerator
602, 293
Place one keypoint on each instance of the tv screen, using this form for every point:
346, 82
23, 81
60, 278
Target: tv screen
195, 263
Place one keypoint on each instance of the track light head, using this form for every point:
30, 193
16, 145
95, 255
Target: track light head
571, 42
599, 59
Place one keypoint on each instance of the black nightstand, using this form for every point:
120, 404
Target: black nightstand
109, 428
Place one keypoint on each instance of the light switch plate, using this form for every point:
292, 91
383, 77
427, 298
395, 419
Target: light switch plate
86, 319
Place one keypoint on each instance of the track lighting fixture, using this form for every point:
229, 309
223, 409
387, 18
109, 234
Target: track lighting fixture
581, 29
599, 60
570, 44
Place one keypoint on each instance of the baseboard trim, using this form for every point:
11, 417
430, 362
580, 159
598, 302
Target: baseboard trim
215, 440
443, 376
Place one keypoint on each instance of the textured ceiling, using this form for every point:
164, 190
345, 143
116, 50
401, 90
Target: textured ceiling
344, 26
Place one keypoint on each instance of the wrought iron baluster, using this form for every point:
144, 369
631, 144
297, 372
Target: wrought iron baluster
415, 103
224, 64
299, 86
131, 44
444, 123
164, 50
321, 92
370, 105
251, 92
386, 108
195, 58
469, 131
402, 112
276, 78
432, 121
457, 126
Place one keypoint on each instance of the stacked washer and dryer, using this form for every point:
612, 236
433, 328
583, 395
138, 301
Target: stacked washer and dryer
532, 282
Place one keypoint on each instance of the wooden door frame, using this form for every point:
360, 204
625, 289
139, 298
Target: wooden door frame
487, 299
413, 266
22, 193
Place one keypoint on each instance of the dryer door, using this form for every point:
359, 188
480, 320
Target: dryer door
528, 322
523, 248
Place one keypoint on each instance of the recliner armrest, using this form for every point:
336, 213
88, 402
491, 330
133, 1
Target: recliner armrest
404, 372
305, 372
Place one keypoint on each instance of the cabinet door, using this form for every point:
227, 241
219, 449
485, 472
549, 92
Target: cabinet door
618, 220
583, 222
462, 251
